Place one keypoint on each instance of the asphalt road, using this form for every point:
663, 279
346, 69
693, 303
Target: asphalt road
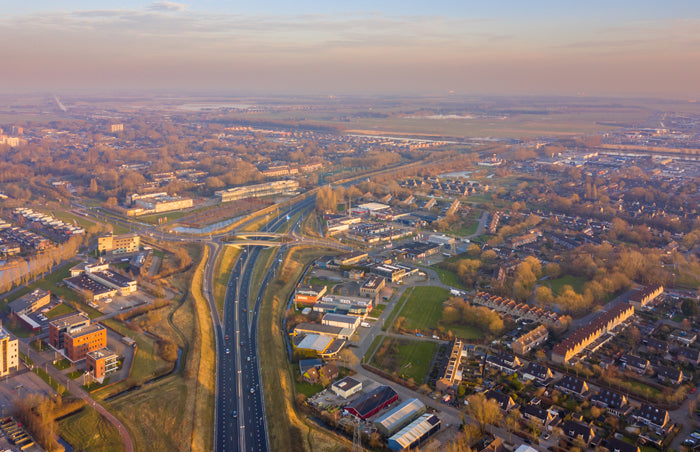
240, 413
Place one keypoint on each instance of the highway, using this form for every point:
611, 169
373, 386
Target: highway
240, 412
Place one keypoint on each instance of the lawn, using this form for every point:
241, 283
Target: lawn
62, 364
576, 282
423, 309
61, 309
68, 217
89, 430
464, 331
462, 232
222, 270
447, 277
261, 265
308, 389
147, 363
397, 309
405, 358
315, 281
377, 311
373, 347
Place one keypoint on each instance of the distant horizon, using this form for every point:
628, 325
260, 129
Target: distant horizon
542, 48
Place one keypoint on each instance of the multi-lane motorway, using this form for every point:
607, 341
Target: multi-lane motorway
240, 415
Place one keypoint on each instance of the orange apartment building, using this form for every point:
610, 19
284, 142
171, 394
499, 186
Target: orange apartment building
74, 334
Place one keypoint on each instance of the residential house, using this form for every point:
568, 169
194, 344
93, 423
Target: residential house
667, 374
652, 416
530, 340
690, 355
635, 363
543, 417
541, 374
504, 362
572, 385
577, 430
616, 404
505, 402
656, 346
617, 445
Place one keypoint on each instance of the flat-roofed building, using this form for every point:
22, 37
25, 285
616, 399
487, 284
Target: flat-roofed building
118, 244
323, 330
308, 295
280, 187
101, 363
372, 286
9, 353
398, 417
90, 288
341, 320
78, 342
59, 326
346, 387
391, 272
31, 302
369, 404
113, 280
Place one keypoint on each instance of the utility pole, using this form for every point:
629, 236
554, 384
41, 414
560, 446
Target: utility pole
356, 436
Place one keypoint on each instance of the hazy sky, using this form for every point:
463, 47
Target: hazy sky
327, 47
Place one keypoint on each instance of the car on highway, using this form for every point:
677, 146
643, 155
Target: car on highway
228, 351
226, 337
235, 413
248, 359
252, 390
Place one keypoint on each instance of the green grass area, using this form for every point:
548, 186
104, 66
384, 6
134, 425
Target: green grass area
307, 388
315, 281
405, 358
167, 217
62, 364
222, 272
464, 331
447, 277
25, 358
377, 311
95, 385
576, 282
68, 217
423, 309
373, 347
56, 386
75, 374
678, 317
392, 317
471, 229
61, 309
261, 265
17, 328
89, 430
147, 363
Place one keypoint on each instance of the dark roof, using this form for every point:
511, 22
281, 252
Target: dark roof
692, 354
306, 364
536, 370
644, 292
635, 361
656, 344
617, 445
609, 398
499, 397
533, 410
669, 372
346, 383
503, 360
572, 384
575, 429
655, 415
377, 398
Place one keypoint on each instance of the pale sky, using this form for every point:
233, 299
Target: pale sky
562, 47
